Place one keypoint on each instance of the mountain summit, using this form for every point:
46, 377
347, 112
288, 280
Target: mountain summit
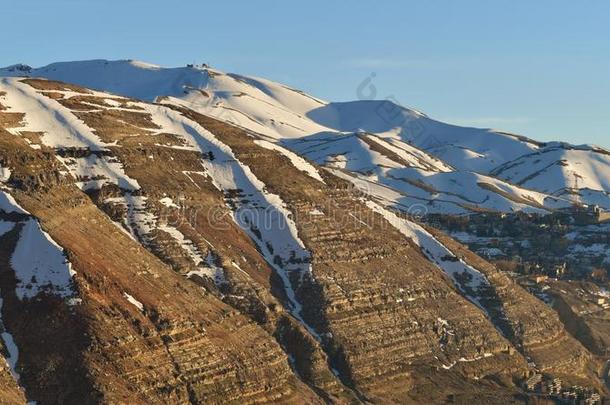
373, 141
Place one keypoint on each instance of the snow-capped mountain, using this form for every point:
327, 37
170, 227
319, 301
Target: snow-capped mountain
576, 172
189, 236
400, 155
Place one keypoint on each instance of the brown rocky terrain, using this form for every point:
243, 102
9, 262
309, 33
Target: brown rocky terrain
364, 274
584, 313
10, 392
185, 345
214, 321
538, 331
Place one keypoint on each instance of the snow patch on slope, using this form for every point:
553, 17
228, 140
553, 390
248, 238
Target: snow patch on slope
210, 270
412, 156
185, 244
11, 348
95, 170
5, 174
295, 159
9, 205
416, 178
40, 264
560, 169
6, 226
134, 301
38, 261
61, 128
464, 148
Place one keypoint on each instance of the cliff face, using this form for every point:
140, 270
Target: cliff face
536, 330
140, 333
387, 317
206, 265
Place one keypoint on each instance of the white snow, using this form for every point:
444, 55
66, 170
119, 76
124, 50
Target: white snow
594, 250
295, 159
316, 212
134, 301
9, 205
5, 174
74, 301
450, 159
210, 270
490, 252
168, 202
139, 222
93, 171
559, 169
423, 181
5, 227
414, 157
186, 244
261, 214
62, 129
39, 264
467, 360
38, 261
42, 114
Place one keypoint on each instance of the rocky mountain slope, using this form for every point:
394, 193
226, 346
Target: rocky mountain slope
168, 253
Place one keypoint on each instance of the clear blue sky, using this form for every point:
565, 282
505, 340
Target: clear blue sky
540, 68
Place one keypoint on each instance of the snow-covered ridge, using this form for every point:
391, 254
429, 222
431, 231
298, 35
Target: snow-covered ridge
281, 112
126, 77
559, 168
362, 129
61, 128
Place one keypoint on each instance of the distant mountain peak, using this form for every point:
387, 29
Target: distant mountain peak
392, 135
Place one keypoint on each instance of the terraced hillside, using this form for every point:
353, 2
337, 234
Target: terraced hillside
151, 253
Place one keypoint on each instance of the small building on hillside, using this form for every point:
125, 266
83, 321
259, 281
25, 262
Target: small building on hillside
589, 214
